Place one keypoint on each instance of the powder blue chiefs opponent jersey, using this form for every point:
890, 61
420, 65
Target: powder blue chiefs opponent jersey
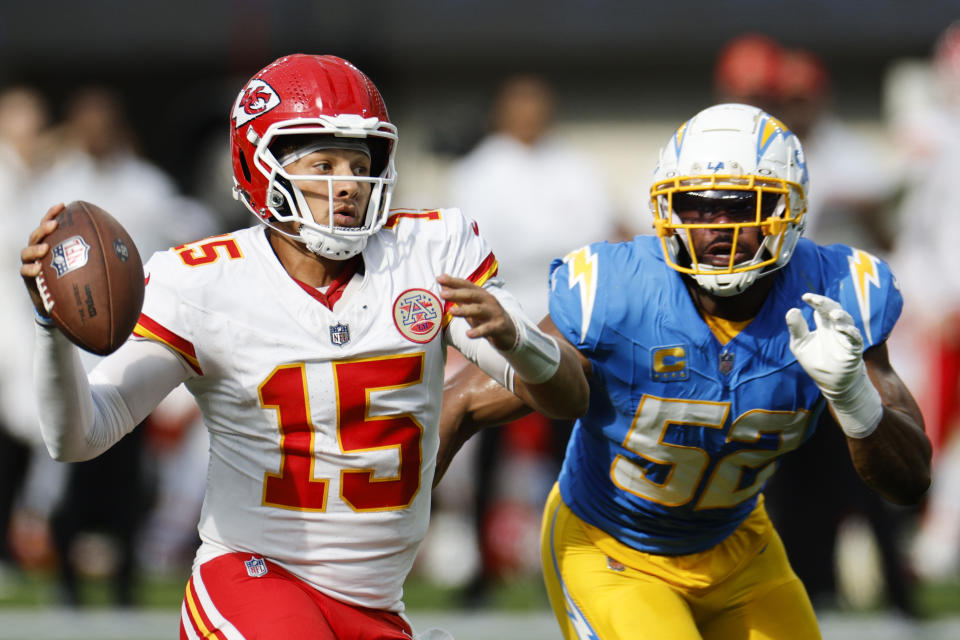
682, 432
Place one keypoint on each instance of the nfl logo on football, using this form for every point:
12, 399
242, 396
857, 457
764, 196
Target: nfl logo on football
256, 567
340, 334
70, 254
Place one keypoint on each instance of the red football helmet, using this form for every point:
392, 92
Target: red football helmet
307, 95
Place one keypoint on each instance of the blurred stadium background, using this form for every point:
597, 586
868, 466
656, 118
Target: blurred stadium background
625, 73
619, 67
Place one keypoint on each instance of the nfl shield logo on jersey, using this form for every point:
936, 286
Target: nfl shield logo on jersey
256, 567
339, 334
726, 363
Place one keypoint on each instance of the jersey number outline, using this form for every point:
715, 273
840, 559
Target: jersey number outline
296, 487
208, 250
656, 417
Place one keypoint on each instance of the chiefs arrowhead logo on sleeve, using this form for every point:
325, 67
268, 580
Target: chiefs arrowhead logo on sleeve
255, 99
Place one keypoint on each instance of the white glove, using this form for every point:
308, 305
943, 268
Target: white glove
832, 355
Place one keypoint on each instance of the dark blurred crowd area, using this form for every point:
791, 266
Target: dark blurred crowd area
882, 182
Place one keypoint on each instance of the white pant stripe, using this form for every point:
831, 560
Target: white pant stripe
187, 622
580, 625
206, 605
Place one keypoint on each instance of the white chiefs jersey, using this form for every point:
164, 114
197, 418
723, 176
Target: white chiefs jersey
323, 422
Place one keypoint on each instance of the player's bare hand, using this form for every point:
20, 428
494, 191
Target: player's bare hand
35, 251
481, 310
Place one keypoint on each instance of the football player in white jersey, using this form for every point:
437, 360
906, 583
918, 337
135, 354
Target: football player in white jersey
314, 344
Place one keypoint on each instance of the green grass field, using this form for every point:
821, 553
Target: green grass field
515, 609
39, 590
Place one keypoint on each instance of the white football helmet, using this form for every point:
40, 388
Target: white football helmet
732, 148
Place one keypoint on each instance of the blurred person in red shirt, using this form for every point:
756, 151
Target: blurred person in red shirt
747, 70
855, 183
926, 123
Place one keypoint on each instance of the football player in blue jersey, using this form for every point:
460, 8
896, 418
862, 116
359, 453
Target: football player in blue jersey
711, 347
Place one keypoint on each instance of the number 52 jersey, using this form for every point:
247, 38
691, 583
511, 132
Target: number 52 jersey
322, 421
682, 431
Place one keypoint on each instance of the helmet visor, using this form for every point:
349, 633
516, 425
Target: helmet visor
714, 206
732, 203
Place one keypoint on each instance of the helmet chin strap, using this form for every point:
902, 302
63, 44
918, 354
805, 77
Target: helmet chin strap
728, 284
329, 246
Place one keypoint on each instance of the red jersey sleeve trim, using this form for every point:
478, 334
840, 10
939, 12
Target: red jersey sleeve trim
395, 217
149, 328
487, 269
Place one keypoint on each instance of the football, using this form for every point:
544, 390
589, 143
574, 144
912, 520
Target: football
91, 281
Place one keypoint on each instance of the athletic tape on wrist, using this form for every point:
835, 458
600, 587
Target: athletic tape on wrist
859, 408
480, 352
535, 356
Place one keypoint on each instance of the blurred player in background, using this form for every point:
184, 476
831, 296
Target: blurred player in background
747, 70
855, 180
97, 159
560, 185
314, 344
24, 121
925, 257
703, 371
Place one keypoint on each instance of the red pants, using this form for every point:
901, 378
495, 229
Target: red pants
242, 597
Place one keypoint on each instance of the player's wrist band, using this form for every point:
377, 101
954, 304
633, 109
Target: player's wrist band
859, 408
43, 321
534, 356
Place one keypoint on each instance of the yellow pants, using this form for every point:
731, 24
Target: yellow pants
742, 589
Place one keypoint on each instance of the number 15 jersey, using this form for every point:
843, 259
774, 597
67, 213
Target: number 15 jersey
322, 417
682, 431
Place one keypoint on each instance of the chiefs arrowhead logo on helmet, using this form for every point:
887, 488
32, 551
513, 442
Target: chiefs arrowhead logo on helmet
255, 99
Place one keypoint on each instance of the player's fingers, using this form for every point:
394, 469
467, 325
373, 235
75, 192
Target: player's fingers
53, 211
460, 292
796, 324
47, 224
500, 331
30, 270
852, 334
464, 293
821, 303
45, 228
470, 310
33, 254
815, 302
460, 297
482, 330
479, 311
29, 273
480, 326
822, 307
450, 282
840, 316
